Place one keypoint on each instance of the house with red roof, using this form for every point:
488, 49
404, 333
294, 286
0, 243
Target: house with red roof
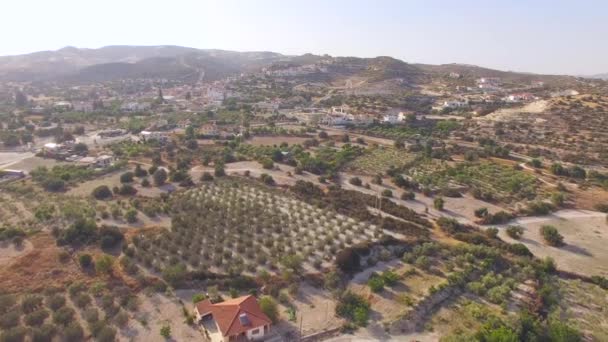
238, 319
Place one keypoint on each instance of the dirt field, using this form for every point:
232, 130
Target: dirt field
157, 310
25, 161
507, 114
585, 235
39, 268
85, 189
315, 307
8, 251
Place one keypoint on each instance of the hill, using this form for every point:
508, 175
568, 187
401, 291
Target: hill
175, 62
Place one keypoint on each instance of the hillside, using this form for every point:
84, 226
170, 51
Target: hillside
176, 62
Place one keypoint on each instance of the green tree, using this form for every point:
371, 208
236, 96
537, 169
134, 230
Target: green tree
438, 203
160, 177
551, 235
269, 307
104, 264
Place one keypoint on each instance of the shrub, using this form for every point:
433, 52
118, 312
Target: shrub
387, 193
481, 212
9, 320
85, 260
269, 307
73, 332
519, 249
145, 182
206, 177
106, 334
104, 264
551, 236
160, 177
390, 278
31, 303
7, 302
408, 196
36, 318
348, 261
559, 331
126, 190
515, 232
63, 316
55, 302
376, 283
353, 307
267, 179
219, 170
131, 215
165, 331
175, 275
267, 164
16, 334
356, 181
44, 333
126, 177
102, 192
438, 203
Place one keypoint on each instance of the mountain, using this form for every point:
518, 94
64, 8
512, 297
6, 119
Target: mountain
109, 63
113, 62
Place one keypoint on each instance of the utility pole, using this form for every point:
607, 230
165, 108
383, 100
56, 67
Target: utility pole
301, 320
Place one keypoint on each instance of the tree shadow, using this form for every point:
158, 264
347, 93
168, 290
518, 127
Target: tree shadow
577, 250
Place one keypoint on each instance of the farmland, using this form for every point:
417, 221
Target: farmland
234, 228
379, 159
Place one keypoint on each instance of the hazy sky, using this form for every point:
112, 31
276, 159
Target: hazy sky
544, 36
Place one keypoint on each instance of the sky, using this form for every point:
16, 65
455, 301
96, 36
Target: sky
541, 36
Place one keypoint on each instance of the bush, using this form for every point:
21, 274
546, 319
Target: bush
408, 196
106, 334
36, 318
561, 332
165, 331
387, 193
55, 302
267, 164
85, 260
481, 212
104, 264
139, 172
145, 182
126, 190
551, 236
356, 181
63, 316
9, 320
348, 261
515, 232
45, 333
126, 177
206, 177
30, 303
219, 170
267, 179
438, 203
353, 307
160, 177
376, 283
7, 302
131, 215
102, 192
73, 333
122, 318
16, 334
269, 307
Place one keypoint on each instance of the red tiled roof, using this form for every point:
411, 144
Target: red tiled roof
226, 314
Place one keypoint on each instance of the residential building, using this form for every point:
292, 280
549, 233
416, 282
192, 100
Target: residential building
209, 130
81, 106
154, 135
238, 319
456, 104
